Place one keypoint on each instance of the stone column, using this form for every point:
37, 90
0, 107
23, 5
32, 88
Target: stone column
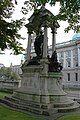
53, 39
44, 60
29, 46
64, 64
45, 43
44, 63
72, 58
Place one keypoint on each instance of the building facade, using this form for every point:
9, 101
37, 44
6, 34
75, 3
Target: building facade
69, 56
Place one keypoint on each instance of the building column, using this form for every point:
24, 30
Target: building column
64, 63
29, 46
71, 58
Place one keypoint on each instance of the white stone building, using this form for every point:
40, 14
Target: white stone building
69, 55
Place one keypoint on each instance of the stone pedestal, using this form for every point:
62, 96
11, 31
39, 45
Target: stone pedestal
40, 93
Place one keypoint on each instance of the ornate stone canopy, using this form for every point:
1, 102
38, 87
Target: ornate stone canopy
40, 18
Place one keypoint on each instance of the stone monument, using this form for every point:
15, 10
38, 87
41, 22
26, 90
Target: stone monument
40, 90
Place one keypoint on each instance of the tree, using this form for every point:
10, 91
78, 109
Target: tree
69, 11
9, 37
8, 74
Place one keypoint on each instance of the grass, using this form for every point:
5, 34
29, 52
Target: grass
70, 117
3, 94
8, 114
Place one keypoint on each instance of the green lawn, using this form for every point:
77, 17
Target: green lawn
2, 94
8, 114
70, 117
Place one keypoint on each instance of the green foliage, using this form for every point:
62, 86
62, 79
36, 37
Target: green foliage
7, 73
9, 28
69, 11
3, 94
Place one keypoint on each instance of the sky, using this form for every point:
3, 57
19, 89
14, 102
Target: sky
61, 36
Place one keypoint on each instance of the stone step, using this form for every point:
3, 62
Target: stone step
25, 107
21, 107
23, 102
70, 108
62, 105
77, 99
18, 104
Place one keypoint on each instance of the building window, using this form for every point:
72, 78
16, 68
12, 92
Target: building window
68, 62
76, 76
68, 76
68, 58
75, 57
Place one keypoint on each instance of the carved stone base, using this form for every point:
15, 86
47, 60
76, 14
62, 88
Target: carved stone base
40, 93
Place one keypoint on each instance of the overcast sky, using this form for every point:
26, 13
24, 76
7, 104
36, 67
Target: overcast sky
60, 37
